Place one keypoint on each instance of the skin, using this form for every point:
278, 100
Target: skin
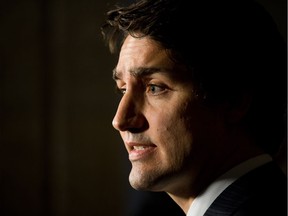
175, 144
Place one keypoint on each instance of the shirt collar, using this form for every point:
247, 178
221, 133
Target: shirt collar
202, 202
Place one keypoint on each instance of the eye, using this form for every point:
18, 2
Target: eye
120, 91
155, 89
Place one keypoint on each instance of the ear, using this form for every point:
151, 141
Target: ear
237, 108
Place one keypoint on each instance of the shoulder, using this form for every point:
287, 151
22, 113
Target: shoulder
262, 191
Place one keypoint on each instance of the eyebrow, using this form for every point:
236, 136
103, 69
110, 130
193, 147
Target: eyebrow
138, 72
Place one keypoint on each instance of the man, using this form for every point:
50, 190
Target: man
203, 104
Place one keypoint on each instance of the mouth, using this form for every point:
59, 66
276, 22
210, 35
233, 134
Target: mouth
139, 148
138, 151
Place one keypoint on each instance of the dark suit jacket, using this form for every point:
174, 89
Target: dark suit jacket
261, 192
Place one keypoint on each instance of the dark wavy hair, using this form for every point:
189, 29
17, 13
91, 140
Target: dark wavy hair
231, 48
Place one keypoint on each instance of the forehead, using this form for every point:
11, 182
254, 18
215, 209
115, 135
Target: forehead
139, 53
132, 44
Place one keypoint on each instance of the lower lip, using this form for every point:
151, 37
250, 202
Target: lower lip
140, 154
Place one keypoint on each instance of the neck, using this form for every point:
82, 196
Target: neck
216, 167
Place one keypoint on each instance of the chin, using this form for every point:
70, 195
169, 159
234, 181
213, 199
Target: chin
146, 182
141, 181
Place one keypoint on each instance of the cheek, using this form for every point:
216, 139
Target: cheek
173, 135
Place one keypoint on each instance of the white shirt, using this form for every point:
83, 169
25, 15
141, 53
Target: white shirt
203, 201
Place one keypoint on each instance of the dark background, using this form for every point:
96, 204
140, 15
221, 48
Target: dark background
59, 154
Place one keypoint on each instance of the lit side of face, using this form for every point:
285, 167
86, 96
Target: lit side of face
164, 128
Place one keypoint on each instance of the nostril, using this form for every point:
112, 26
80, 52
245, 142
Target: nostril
134, 124
121, 122
129, 115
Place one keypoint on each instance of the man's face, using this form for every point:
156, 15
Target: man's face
166, 131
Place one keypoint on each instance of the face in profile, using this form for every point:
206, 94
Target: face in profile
165, 129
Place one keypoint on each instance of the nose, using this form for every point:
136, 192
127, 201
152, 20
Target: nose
129, 115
